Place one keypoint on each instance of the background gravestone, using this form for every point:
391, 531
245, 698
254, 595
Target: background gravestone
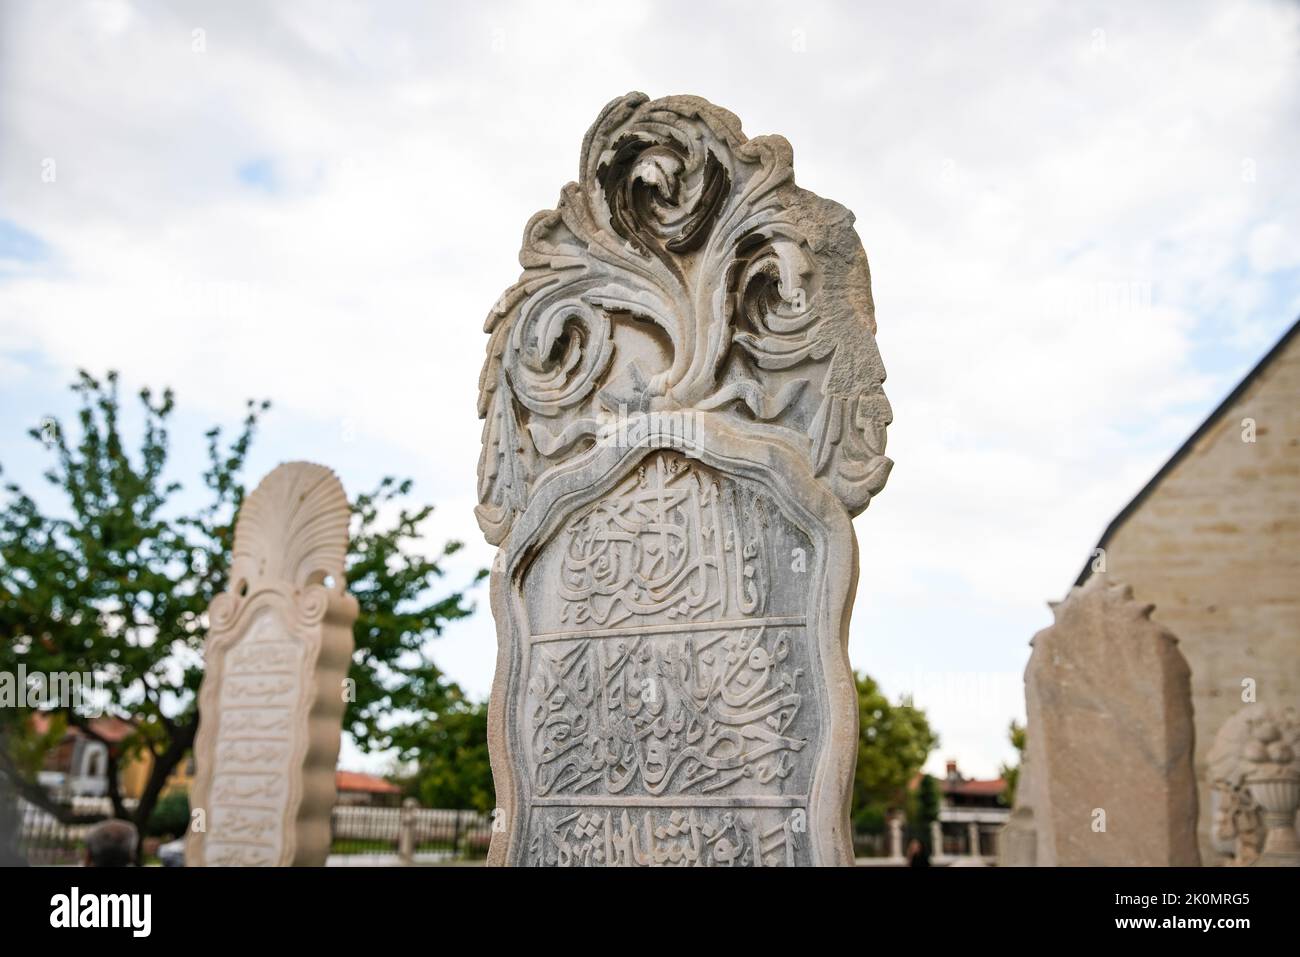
683, 409
1109, 738
271, 704
1018, 840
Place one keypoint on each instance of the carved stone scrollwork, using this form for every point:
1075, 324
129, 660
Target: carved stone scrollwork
683, 409
760, 290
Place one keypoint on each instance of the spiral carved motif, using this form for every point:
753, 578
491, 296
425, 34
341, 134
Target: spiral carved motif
223, 610
312, 604
663, 195
758, 293
561, 348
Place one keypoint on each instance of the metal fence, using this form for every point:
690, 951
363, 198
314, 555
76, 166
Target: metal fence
360, 834
410, 834
45, 841
870, 844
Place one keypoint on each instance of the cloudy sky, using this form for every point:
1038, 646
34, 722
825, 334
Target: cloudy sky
1082, 221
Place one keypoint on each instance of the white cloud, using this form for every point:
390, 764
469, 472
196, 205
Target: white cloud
1061, 206
1273, 247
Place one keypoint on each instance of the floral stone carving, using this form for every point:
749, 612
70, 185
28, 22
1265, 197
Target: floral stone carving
1256, 787
683, 410
271, 703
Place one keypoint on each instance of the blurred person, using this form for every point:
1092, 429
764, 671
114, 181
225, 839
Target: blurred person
112, 844
917, 855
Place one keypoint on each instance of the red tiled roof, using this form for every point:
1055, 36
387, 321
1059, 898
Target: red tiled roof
112, 729
109, 728
975, 788
369, 783
963, 786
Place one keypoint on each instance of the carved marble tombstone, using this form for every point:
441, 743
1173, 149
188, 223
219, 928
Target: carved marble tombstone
277, 653
1109, 738
683, 408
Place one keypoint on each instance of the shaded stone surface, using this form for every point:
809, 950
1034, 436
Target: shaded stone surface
683, 410
271, 703
1018, 840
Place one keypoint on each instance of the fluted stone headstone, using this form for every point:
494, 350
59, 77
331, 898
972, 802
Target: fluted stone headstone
277, 653
683, 411
1109, 739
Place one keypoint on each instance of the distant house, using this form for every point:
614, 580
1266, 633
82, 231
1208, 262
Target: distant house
971, 815
356, 789
77, 766
135, 776
1213, 541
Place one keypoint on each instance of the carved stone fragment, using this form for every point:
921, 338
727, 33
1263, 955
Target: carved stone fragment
1255, 781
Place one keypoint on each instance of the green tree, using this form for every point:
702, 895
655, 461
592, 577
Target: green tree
117, 585
893, 742
171, 815
1011, 772
452, 768
925, 809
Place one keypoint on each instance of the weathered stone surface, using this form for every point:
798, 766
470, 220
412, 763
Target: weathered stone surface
683, 410
1110, 736
278, 649
1255, 781
1018, 840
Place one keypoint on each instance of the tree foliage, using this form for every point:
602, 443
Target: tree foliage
398, 687
453, 769
925, 810
1011, 772
894, 741
117, 582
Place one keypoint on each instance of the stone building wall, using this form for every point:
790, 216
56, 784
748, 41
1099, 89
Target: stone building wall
1214, 544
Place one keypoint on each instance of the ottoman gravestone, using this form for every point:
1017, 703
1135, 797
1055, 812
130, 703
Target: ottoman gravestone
1109, 741
270, 707
683, 411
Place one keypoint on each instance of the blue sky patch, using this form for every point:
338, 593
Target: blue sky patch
260, 174
17, 243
